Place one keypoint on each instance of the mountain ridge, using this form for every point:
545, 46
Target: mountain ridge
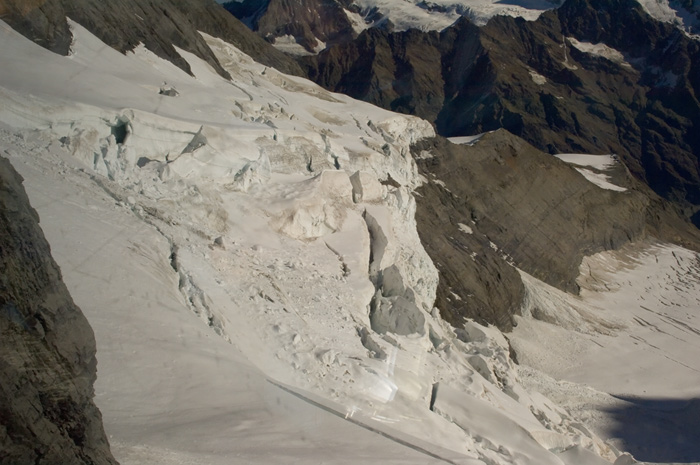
123, 24
501, 204
528, 77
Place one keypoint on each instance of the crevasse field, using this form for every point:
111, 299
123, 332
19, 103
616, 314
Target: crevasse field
224, 244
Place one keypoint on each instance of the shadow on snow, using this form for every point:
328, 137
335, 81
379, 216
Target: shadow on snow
658, 430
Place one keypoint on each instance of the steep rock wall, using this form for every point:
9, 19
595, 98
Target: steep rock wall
308, 21
47, 348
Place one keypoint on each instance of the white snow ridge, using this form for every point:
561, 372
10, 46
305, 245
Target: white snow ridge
227, 240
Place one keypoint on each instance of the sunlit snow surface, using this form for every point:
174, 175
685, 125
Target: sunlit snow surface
466, 140
633, 333
439, 14
223, 245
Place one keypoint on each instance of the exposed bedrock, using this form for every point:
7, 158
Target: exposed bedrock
502, 202
47, 348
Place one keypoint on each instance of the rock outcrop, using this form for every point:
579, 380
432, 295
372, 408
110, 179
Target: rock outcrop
402, 71
47, 348
501, 203
161, 25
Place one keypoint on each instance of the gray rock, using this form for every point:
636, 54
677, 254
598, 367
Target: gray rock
396, 315
47, 348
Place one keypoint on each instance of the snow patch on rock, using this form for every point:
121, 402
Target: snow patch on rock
600, 50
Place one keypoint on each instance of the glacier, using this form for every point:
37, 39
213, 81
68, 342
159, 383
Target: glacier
227, 241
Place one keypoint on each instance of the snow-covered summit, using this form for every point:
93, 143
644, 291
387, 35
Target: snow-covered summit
439, 14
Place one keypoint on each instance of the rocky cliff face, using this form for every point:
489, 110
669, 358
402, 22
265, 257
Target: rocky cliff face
161, 25
47, 348
411, 72
658, 117
309, 22
594, 76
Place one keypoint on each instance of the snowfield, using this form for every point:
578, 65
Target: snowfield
632, 333
439, 14
226, 244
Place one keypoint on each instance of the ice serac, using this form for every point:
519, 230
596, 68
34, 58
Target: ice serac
47, 348
161, 25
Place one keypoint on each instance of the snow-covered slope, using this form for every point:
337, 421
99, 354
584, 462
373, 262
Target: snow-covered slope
439, 14
227, 244
680, 13
593, 168
633, 333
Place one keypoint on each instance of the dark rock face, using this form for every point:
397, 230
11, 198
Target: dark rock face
160, 25
661, 123
409, 72
645, 111
475, 282
529, 78
308, 21
522, 207
47, 348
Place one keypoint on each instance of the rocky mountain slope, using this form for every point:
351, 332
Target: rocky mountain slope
161, 25
500, 203
47, 348
312, 24
594, 76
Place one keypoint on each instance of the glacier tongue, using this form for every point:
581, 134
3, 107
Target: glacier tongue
240, 202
